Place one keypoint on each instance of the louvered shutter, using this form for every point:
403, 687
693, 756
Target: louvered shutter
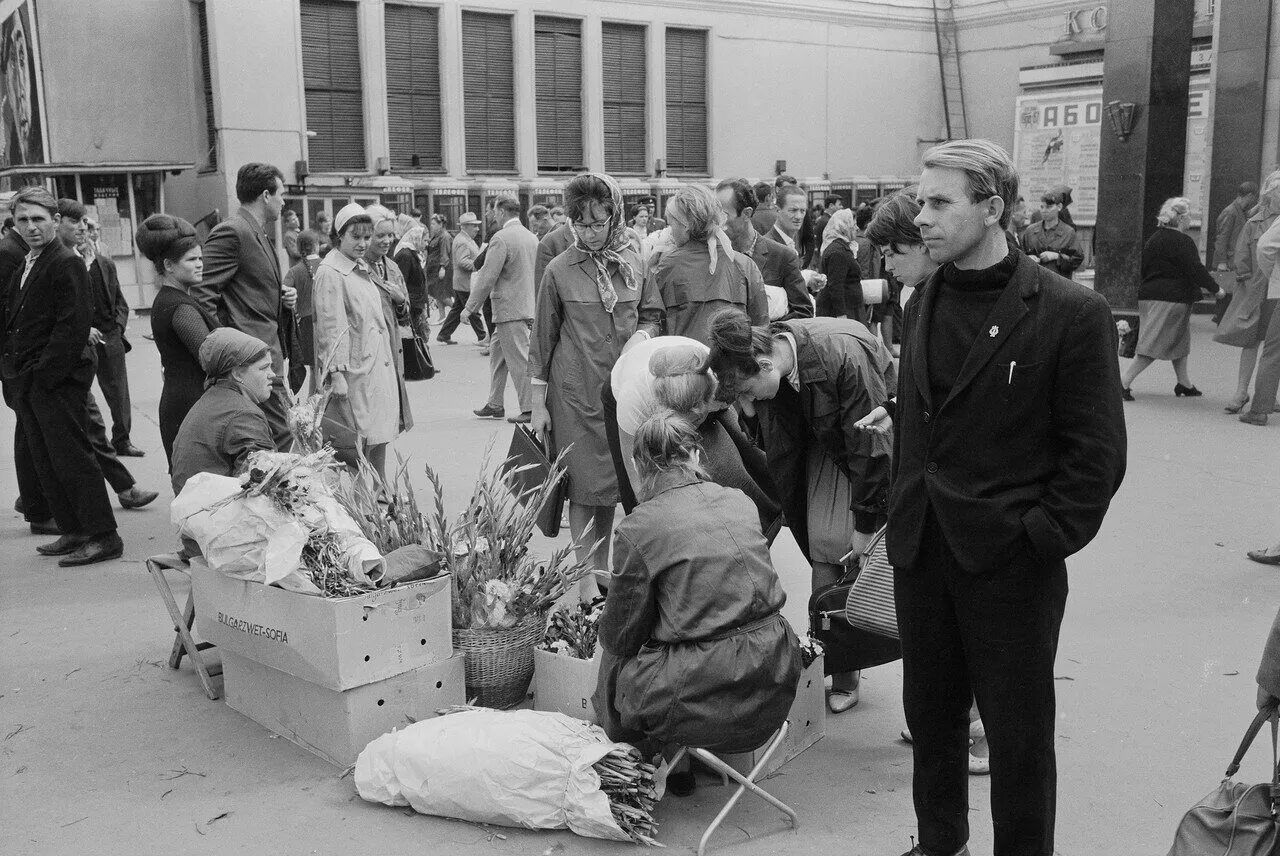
488, 92
625, 70
413, 88
558, 87
331, 78
206, 82
686, 100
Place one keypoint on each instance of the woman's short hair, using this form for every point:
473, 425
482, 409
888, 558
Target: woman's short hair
1172, 209
698, 207
586, 190
894, 223
34, 194
736, 349
164, 238
988, 168
666, 442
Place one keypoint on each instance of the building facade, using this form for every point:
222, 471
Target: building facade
440, 105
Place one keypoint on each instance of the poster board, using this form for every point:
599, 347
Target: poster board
23, 137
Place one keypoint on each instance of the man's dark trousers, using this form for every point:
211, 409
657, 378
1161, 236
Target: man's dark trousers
992, 637
455, 317
114, 381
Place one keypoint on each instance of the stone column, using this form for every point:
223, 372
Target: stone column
1147, 63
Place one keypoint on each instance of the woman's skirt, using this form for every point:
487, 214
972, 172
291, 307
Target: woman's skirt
830, 520
1164, 330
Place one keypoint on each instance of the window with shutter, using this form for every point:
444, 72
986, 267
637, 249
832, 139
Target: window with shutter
488, 92
686, 100
413, 88
557, 51
206, 84
625, 69
331, 78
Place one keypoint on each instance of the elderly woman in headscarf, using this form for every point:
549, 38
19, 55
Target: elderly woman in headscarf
226, 425
395, 297
355, 347
593, 298
408, 257
842, 297
703, 274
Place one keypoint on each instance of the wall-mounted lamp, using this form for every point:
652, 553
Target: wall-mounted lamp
1121, 116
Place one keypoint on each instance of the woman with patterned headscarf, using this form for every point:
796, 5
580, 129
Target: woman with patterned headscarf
593, 297
842, 296
703, 274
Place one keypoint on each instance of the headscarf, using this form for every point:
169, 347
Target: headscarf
408, 240
841, 226
225, 349
697, 203
609, 253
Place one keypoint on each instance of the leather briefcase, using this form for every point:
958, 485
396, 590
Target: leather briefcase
847, 648
529, 462
1235, 819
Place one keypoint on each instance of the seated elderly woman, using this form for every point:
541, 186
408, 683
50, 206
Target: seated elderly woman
696, 651
226, 425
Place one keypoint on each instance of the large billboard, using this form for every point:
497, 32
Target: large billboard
1057, 140
22, 137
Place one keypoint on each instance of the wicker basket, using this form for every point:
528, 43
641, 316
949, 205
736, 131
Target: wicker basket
499, 663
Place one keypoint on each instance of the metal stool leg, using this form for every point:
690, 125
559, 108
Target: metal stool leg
182, 624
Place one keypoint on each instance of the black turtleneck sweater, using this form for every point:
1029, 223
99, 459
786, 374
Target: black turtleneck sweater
964, 304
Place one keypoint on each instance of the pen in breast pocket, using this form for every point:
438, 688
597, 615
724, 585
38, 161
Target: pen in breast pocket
1011, 367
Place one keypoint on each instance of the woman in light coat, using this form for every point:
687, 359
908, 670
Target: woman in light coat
354, 353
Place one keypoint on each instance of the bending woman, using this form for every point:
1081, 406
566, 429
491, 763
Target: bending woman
810, 381
696, 651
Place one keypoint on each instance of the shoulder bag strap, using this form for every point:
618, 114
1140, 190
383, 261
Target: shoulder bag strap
1268, 713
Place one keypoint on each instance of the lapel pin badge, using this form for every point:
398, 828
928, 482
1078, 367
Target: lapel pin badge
993, 332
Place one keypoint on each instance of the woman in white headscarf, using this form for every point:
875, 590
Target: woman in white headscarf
842, 296
703, 274
355, 357
593, 298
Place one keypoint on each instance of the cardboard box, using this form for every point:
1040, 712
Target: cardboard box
338, 643
338, 725
565, 684
807, 718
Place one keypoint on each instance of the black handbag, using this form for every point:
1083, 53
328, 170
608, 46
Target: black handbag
529, 463
1236, 819
417, 359
848, 648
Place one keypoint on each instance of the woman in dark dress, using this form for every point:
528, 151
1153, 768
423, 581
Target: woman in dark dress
842, 297
178, 324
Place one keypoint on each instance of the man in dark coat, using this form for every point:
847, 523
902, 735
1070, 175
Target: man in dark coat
779, 267
1009, 444
47, 369
242, 284
551, 245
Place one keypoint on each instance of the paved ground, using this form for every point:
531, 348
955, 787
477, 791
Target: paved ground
1162, 636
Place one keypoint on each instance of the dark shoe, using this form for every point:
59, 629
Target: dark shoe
100, 549
64, 546
682, 784
1127, 394
1262, 557
1190, 391
1236, 405
920, 851
523, 419
128, 450
1252, 418
444, 340
135, 498
490, 412
45, 527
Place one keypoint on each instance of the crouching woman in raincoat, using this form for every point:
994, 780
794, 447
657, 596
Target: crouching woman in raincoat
696, 652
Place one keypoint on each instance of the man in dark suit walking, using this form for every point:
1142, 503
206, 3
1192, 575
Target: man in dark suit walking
47, 369
1009, 444
242, 284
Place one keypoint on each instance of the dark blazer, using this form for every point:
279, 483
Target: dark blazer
110, 309
842, 296
45, 331
780, 267
241, 284
1030, 443
13, 254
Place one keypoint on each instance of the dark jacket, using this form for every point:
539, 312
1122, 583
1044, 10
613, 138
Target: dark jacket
218, 434
764, 218
110, 309
1172, 270
44, 332
13, 253
1030, 443
696, 652
553, 244
693, 295
845, 372
780, 267
241, 284
415, 277
1061, 239
842, 295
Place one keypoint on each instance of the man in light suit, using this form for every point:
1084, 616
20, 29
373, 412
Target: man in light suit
507, 278
242, 286
1009, 444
